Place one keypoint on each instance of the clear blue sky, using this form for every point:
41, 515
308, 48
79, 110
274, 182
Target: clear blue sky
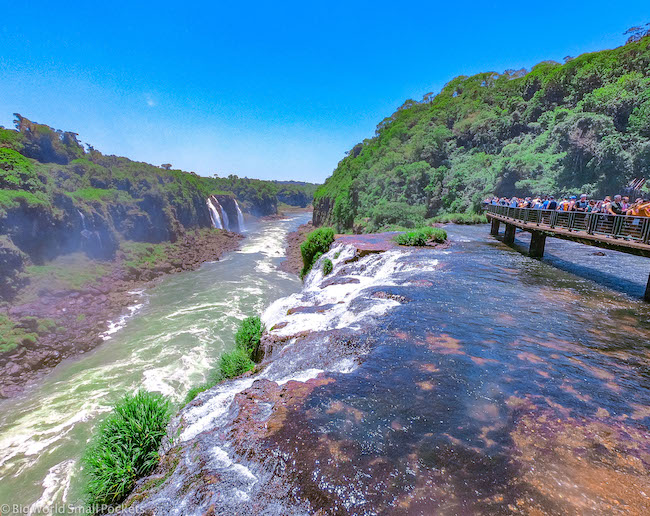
267, 89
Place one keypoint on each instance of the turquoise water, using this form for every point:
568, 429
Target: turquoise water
177, 332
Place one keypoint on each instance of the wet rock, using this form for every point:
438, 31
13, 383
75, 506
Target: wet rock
310, 309
339, 281
293, 261
386, 295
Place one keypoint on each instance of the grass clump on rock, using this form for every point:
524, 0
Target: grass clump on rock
421, 236
316, 245
125, 447
249, 334
328, 266
235, 363
238, 361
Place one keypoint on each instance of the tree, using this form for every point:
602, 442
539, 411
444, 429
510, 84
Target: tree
166, 166
637, 33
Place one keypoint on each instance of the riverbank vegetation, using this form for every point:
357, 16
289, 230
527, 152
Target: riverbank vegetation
421, 237
238, 361
315, 245
77, 199
581, 126
125, 447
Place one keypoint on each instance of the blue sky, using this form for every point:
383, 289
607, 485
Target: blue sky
267, 89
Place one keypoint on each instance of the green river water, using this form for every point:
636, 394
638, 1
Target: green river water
178, 330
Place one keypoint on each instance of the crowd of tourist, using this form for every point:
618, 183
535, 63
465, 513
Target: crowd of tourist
619, 205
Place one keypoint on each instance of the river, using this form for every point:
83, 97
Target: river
174, 339
467, 380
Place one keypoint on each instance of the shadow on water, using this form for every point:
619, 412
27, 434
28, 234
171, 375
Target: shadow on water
603, 267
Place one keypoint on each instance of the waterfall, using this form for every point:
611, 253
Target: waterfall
214, 212
240, 218
83, 219
226, 222
85, 232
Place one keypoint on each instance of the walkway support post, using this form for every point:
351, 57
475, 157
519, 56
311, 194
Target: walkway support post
509, 235
537, 243
646, 296
494, 229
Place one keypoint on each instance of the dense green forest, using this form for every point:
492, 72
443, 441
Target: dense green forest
37, 161
581, 126
57, 197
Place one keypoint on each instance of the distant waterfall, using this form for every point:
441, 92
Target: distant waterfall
213, 206
226, 222
83, 219
240, 218
87, 234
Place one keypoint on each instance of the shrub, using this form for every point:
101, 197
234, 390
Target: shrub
317, 243
386, 213
235, 363
249, 334
421, 236
459, 218
17, 172
125, 447
328, 266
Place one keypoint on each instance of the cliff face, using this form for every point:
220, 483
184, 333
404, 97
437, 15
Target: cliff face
580, 127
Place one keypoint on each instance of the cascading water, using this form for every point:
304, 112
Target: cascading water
83, 219
226, 222
173, 341
213, 206
240, 218
469, 380
87, 234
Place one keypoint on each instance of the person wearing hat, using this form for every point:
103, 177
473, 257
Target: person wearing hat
582, 204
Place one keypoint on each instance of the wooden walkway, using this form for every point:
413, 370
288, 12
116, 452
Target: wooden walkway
623, 233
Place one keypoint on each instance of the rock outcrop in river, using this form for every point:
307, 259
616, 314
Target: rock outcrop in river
424, 382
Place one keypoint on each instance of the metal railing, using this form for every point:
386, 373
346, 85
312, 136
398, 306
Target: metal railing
626, 227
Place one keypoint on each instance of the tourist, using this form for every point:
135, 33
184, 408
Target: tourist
564, 205
582, 204
615, 207
592, 207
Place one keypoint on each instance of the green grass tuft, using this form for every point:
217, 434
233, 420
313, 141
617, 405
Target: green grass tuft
317, 243
12, 336
235, 363
328, 266
249, 334
196, 390
125, 447
421, 236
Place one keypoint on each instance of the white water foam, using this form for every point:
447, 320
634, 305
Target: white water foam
375, 270
215, 212
55, 487
115, 326
240, 218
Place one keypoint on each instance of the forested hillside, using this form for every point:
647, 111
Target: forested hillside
57, 197
582, 126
